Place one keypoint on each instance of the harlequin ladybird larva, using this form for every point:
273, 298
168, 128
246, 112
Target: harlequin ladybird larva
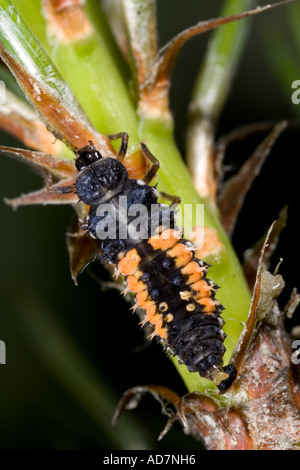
160, 267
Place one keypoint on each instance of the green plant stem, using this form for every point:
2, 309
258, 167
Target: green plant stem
224, 51
95, 77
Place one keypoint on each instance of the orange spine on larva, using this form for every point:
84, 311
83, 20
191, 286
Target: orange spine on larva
129, 264
134, 284
194, 272
209, 304
202, 288
165, 240
181, 253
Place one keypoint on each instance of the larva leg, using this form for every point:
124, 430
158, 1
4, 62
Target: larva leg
170, 197
155, 164
124, 143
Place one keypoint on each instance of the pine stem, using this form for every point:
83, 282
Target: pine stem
95, 75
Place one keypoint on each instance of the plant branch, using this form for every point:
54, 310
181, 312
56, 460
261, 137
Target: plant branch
93, 73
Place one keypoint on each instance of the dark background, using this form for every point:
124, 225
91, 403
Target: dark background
37, 406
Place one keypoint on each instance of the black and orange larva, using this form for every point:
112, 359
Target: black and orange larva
169, 281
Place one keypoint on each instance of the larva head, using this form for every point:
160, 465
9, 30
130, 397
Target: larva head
86, 156
99, 179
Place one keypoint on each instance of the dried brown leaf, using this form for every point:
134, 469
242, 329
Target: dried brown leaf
66, 20
162, 67
219, 428
252, 255
140, 22
19, 120
64, 118
57, 166
238, 134
82, 249
239, 353
43, 197
133, 396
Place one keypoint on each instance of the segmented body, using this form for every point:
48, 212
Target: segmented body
161, 268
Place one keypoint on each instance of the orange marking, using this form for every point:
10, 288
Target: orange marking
208, 303
151, 313
194, 271
161, 331
207, 240
165, 240
181, 254
129, 264
134, 284
142, 299
136, 165
156, 321
202, 289
154, 318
